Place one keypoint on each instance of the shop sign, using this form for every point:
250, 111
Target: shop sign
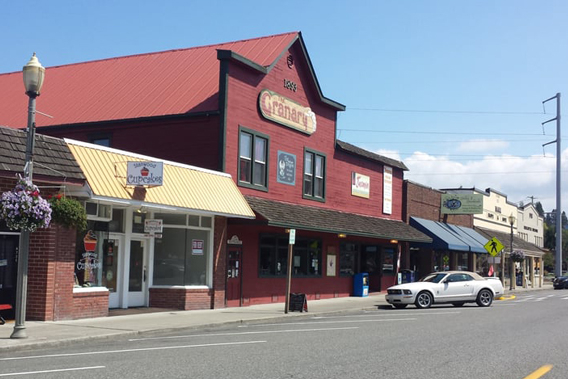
197, 247
387, 190
286, 112
145, 174
153, 227
286, 170
234, 240
462, 204
360, 185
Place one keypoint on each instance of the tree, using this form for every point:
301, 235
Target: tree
539, 209
549, 237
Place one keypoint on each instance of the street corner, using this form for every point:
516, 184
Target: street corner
506, 297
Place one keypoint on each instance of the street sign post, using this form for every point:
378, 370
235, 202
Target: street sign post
493, 246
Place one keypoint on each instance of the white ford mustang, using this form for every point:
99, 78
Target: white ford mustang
455, 287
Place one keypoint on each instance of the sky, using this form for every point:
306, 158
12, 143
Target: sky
454, 89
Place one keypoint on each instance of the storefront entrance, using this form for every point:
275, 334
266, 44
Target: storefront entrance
234, 276
112, 252
370, 263
8, 270
137, 274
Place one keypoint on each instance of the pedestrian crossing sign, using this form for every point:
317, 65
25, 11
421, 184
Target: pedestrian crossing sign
493, 246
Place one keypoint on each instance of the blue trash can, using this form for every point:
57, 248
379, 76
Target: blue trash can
361, 284
408, 276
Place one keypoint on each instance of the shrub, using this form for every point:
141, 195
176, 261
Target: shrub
68, 212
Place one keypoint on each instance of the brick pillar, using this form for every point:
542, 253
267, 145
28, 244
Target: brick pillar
41, 275
64, 273
50, 274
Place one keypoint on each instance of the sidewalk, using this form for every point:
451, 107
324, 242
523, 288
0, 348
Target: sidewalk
50, 334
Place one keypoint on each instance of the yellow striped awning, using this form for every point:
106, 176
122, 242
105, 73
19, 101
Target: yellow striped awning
184, 187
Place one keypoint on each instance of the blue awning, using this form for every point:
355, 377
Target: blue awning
450, 237
475, 240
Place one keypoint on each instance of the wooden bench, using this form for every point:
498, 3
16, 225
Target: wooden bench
4, 307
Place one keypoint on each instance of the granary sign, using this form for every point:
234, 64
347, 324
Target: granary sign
286, 112
145, 174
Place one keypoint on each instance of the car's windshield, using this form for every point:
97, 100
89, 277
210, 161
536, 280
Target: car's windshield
434, 278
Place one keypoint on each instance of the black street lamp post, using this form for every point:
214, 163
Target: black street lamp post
34, 74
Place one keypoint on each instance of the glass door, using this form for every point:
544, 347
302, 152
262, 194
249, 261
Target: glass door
234, 276
137, 274
110, 274
8, 271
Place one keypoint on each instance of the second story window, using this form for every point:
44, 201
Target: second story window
314, 175
253, 159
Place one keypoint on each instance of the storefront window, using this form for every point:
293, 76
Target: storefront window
89, 255
117, 223
306, 259
442, 261
388, 261
348, 259
483, 262
462, 261
138, 222
171, 218
370, 259
181, 257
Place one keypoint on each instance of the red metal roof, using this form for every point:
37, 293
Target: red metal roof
146, 85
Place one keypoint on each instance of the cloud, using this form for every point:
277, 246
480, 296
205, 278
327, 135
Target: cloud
483, 145
516, 177
389, 154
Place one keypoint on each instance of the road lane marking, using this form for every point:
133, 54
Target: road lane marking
390, 313
329, 322
48, 371
131, 350
243, 333
509, 297
540, 372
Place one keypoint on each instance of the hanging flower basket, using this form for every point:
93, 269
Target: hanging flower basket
517, 256
67, 212
23, 208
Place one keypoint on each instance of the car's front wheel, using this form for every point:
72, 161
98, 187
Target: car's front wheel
423, 300
484, 298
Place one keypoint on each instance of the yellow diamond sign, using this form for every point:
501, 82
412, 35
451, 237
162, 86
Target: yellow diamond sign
494, 246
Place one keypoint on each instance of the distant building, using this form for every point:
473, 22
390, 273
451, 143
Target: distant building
526, 230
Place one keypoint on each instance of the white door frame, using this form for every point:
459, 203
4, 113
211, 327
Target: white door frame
115, 298
138, 298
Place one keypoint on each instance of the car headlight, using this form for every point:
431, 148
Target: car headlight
407, 292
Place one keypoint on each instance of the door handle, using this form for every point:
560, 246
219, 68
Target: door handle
144, 278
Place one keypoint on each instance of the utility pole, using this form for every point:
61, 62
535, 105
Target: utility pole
558, 255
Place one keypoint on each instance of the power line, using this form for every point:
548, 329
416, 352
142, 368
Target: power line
445, 111
442, 133
485, 157
481, 173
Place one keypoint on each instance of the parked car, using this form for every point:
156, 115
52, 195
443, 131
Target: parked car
454, 287
560, 282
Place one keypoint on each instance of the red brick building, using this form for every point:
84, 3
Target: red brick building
253, 109
455, 244
52, 251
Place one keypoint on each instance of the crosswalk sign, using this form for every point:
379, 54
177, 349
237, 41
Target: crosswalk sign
493, 246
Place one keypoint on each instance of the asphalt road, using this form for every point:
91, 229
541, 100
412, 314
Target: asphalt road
525, 337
